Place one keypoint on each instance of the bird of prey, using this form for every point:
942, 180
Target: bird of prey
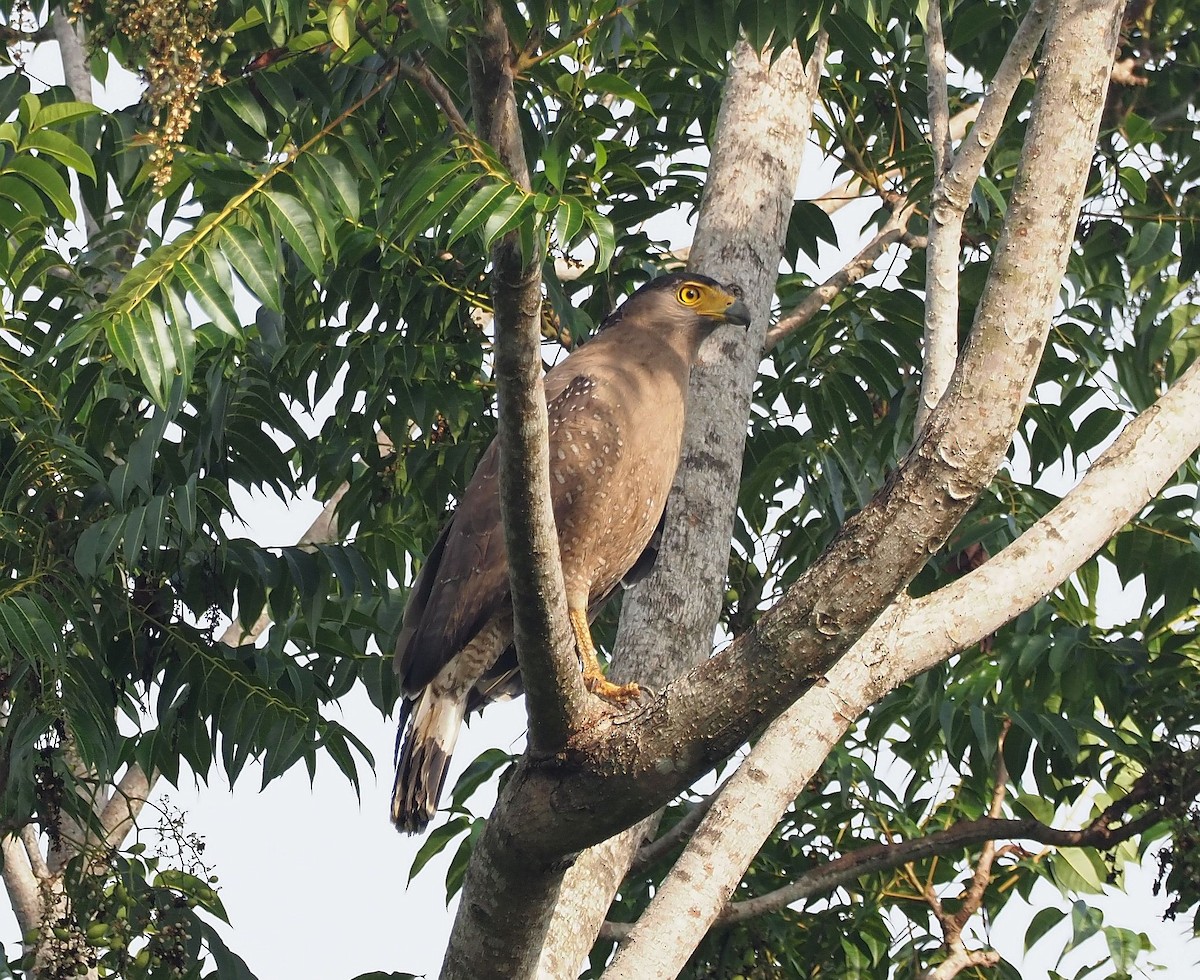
616, 411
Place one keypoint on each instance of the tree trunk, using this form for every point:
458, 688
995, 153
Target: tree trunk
669, 619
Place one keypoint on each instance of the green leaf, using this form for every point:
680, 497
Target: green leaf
1042, 923
477, 773
478, 208
229, 965
436, 842
610, 83
457, 869
63, 149
1085, 920
29, 633
338, 182
1124, 946
503, 218
184, 500
568, 220
253, 265
430, 19
340, 19
212, 298
97, 543
1153, 241
46, 179
297, 227
136, 342
20, 191
57, 113
606, 241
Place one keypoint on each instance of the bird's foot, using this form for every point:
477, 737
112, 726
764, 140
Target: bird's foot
602, 687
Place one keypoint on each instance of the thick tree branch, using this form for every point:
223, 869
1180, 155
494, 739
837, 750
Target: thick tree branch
915, 635
21, 884
961, 959
893, 230
555, 698
990, 387
498, 879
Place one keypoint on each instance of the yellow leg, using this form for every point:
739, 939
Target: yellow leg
593, 677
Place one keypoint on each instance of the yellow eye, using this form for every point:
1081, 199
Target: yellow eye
688, 295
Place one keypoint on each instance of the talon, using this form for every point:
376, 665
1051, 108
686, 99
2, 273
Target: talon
600, 686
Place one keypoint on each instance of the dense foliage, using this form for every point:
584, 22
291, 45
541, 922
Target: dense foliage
277, 255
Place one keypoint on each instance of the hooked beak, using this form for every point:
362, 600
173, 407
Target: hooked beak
738, 313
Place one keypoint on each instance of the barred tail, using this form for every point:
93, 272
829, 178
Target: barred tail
423, 759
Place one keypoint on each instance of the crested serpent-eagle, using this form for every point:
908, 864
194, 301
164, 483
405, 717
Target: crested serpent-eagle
616, 410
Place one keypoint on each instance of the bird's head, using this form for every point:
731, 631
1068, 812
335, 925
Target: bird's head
683, 298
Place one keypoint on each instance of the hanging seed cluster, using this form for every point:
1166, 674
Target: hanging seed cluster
173, 39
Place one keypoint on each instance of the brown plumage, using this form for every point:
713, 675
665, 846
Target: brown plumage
616, 410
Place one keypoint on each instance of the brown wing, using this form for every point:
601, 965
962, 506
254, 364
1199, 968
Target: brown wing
463, 583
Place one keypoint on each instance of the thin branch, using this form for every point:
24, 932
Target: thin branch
954, 179
1106, 831
893, 230
420, 74
125, 804
555, 698
1014, 68
857, 188
648, 853
938, 95
33, 849
983, 867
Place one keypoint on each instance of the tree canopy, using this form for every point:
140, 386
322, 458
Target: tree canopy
326, 242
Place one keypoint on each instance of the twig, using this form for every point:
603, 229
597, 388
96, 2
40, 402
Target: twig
420, 73
894, 230
684, 828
